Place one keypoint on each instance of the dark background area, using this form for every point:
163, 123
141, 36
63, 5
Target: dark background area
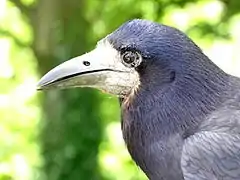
75, 134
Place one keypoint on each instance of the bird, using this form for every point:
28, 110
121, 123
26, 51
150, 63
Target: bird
180, 112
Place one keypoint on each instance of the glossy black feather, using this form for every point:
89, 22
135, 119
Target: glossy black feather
184, 108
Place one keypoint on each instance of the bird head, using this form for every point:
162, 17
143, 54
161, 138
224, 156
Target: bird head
138, 54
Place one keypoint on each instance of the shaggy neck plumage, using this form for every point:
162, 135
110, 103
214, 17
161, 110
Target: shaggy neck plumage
178, 102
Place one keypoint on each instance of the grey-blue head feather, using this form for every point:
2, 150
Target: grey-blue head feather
149, 38
167, 52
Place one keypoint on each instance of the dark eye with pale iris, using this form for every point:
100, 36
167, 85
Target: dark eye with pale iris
131, 59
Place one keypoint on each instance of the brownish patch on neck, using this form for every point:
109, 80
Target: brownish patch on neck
129, 97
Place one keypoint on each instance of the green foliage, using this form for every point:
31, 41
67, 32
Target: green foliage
75, 134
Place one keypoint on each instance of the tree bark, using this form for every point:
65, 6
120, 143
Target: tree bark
71, 126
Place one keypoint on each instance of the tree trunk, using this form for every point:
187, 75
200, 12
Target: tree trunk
72, 129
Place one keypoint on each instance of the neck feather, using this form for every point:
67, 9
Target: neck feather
180, 105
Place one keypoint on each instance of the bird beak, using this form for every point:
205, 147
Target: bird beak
101, 68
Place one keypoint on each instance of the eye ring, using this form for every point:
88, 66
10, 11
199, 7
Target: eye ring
131, 59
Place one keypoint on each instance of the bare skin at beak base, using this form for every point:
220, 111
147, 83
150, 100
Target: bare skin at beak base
101, 68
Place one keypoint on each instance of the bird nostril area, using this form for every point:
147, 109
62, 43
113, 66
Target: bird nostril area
86, 63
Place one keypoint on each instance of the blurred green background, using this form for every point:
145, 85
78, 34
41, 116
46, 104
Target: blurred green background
75, 134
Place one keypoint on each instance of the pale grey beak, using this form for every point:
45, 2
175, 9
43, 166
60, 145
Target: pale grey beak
101, 68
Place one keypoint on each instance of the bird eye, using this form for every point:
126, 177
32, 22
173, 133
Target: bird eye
131, 59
